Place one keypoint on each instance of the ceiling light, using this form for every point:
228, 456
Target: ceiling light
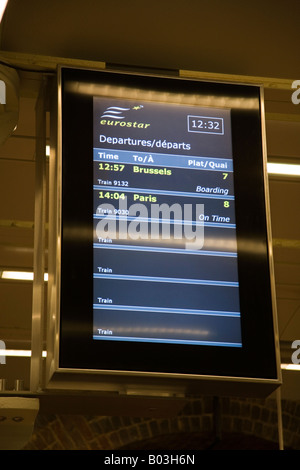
19, 275
14, 353
283, 169
18, 353
3, 4
290, 366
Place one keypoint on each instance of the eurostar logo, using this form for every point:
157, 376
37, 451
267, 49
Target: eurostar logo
115, 112
115, 116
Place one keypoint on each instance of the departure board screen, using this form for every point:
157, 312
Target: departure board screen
163, 242
165, 252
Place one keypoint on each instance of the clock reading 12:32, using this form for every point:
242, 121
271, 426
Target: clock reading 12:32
205, 125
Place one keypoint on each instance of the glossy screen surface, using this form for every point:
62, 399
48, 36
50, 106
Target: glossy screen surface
165, 252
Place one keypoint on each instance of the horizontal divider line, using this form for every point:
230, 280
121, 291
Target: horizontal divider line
178, 311
171, 280
183, 251
166, 340
125, 218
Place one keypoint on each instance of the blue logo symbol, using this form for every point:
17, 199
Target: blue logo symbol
115, 112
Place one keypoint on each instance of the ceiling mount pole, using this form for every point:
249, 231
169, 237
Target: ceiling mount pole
39, 244
279, 419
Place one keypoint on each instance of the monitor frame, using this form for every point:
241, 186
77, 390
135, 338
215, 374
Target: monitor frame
70, 361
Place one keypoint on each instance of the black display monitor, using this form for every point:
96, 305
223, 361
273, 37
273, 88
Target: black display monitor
165, 263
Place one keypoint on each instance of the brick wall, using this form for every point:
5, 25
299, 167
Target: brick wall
241, 421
